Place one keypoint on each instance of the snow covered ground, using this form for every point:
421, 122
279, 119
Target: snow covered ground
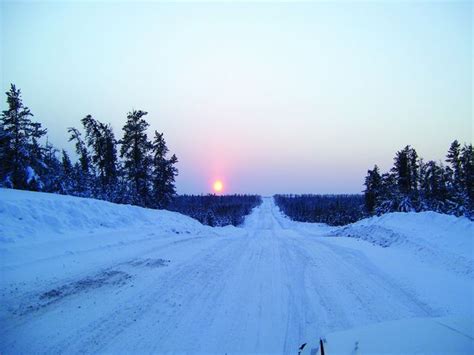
80, 275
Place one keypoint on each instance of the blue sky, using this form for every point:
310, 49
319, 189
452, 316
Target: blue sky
268, 96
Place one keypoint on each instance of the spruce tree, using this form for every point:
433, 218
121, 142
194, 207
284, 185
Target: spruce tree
164, 172
405, 170
134, 150
18, 137
454, 159
434, 187
373, 185
53, 175
101, 140
467, 177
67, 173
389, 195
83, 166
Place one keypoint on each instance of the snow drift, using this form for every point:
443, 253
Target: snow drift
36, 216
433, 237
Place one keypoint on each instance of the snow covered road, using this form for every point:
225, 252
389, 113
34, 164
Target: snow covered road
265, 288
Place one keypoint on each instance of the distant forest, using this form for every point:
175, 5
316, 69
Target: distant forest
216, 210
335, 210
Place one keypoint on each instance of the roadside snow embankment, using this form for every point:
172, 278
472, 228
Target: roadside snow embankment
434, 237
35, 227
37, 216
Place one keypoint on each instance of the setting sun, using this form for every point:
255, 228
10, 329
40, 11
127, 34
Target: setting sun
218, 186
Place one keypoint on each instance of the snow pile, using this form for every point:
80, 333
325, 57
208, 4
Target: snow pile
35, 216
434, 237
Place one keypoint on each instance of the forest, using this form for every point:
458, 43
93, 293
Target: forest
335, 210
132, 170
216, 211
413, 185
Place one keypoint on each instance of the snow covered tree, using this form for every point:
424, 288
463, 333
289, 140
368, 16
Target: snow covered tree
373, 185
434, 187
4, 145
134, 150
390, 198
467, 177
19, 147
460, 174
405, 170
454, 159
101, 140
83, 166
53, 177
67, 173
37, 151
163, 173
413, 185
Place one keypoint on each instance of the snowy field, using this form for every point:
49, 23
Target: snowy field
80, 275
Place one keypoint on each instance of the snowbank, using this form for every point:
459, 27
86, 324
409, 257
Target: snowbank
434, 237
36, 216
56, 235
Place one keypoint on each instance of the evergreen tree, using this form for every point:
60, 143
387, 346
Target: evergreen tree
467, 177
52, 181
405, 170
37, 151
373, 185
82, 167
100, 138
164, 172
68, 174
434, 187
17, 137
454, 159
110, 161
135, 152
390, 198
460, 178
4, 146
67, 164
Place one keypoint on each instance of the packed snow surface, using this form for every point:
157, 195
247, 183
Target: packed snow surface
81, 275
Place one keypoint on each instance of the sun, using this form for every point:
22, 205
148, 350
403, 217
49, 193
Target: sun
217, 186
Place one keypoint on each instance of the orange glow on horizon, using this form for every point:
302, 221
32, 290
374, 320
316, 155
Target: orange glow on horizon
217, 186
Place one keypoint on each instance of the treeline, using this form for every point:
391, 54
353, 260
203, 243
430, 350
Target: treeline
335, 210
411, 185
415, 185
132, 170
216, 210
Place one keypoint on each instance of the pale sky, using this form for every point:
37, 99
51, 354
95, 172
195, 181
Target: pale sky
271, 97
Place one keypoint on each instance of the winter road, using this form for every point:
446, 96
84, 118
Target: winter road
267, 287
